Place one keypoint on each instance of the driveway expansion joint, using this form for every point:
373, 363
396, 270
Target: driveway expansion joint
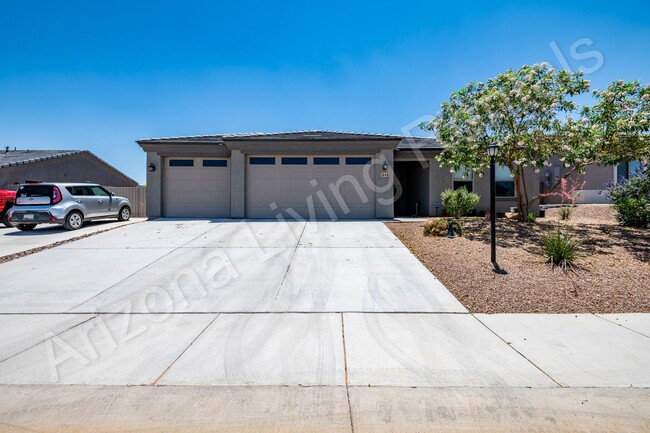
144, 267
621, 325
345, 365
159, 378
521, 354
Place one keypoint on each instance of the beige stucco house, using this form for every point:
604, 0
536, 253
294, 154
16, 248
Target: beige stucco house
307, 174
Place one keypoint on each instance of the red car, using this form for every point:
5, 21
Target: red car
6, 202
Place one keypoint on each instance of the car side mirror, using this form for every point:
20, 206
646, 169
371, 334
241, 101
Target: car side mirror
112, 193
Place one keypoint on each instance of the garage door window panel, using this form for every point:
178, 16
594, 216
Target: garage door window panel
357, 160
262, 160
215, 163
321, 160
181, 163
291, 160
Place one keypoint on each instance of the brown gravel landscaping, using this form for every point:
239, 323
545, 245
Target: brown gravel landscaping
612, 276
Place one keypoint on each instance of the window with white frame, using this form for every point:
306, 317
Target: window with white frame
505, 185
464, 178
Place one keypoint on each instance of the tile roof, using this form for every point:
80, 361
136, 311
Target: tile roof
406, 141
17, 157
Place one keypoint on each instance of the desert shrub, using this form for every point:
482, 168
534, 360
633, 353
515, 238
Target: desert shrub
459, 202
634, 212
438, 227
564, 213
560, 249
631, 198
531, 217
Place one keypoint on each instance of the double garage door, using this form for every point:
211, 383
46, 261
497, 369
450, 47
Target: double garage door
310, 187
289, 186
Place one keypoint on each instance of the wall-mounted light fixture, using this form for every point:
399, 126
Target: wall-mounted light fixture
152, 167
385, 166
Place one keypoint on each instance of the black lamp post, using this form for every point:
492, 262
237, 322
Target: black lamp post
492, 151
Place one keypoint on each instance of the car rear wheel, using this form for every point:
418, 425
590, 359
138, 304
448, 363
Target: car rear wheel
74, 220
26, 227
5, 220
125, 214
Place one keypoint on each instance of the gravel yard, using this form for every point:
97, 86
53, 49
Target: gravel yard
613, 276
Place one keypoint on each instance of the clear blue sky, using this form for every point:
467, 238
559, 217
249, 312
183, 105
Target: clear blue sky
99, 75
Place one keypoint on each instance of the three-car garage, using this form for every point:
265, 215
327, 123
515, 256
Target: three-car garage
300, 175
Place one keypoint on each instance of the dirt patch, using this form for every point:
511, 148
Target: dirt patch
612, 277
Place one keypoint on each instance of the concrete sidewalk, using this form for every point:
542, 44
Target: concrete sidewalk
256, 326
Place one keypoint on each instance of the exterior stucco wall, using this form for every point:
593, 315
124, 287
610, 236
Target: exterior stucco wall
237, 184
384, 185
74, 168
154, 185
595, 177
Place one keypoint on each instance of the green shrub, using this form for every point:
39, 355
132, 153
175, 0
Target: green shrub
560, 250
631, 198
633, 212
438, 227
459, 202
564, 213
531, 217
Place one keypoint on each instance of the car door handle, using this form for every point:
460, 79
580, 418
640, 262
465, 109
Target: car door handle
100, 201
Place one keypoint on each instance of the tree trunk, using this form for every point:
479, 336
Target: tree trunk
527, 202
518, 194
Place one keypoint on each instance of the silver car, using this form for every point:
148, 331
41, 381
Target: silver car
69, 204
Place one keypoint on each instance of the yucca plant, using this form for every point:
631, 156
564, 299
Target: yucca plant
564, 213
561, 250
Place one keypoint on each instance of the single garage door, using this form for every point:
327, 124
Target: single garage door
310, 186
196, 187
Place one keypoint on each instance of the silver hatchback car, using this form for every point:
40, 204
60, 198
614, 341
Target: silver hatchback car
69, 204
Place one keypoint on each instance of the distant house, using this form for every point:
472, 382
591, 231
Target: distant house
18, 166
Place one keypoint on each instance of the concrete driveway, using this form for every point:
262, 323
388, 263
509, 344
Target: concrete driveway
14, 241
268, 326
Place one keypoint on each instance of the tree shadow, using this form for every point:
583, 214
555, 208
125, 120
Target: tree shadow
595, 238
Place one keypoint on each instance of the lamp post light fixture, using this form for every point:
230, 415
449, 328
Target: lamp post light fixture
492, 151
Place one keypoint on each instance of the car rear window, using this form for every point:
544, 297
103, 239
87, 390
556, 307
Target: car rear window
33, 191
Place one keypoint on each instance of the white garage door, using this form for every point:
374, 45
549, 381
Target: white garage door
310, 187
196, 187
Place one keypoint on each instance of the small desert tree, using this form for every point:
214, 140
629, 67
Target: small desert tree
530, 113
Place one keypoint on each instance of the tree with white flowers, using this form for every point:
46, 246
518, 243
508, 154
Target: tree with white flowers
531, 114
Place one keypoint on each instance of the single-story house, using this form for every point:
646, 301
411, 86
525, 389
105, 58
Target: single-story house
308, 174
19, 166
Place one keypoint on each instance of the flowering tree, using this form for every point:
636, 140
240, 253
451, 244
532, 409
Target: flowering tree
530, 113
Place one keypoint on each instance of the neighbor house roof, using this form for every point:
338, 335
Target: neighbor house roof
406, 142
12, 158
17, 157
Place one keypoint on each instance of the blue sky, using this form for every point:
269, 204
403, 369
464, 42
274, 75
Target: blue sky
99, 75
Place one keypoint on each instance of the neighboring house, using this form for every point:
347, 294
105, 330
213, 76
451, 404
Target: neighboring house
325, 174
595, 179
18, 166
